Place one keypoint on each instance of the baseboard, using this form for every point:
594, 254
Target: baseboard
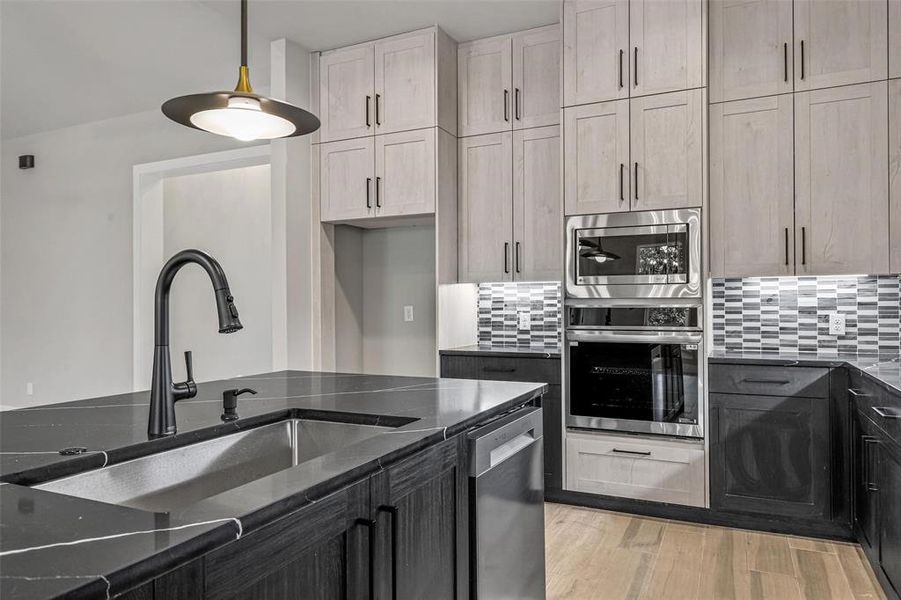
825, 530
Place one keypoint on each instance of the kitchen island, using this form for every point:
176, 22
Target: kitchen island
385, 513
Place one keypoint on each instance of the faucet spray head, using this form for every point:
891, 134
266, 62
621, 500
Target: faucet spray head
228, 313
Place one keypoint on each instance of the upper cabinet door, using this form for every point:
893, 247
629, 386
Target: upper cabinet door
405, 82
486, 208
347, 93
537, 207
405, 173
346, 179
750, 49
485, 85
667, 39
666, 145
894, 121
596, 55
751, 188
596, 170
839, 42
841, 171
894, 38
536, 78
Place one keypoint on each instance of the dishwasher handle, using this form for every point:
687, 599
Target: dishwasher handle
494, 443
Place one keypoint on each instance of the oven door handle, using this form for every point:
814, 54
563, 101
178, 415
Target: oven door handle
640, 337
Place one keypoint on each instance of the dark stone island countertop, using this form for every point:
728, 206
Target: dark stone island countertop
883, 368
54, 545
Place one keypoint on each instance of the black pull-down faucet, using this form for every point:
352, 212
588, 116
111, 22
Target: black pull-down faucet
163, 392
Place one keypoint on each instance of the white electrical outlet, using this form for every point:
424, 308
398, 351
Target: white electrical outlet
525, 320
29, 389
836, 323
408, 313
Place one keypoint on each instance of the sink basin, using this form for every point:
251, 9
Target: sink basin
177, 478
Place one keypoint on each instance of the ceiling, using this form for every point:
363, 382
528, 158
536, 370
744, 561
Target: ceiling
64, 62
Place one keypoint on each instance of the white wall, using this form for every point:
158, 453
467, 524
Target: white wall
66, 254
226, 213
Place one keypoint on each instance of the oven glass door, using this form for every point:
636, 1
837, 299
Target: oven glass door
649, 254
635, 386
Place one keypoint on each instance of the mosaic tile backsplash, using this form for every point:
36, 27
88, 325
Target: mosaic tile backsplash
791, 314
499, 308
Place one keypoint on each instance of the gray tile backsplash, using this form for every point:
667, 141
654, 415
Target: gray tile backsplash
791, 313
499, 308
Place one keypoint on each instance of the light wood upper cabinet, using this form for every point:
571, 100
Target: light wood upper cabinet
666, 148
536, 77
597, 166
537, 209
839, 42
596, 52
894, 38
405, 82
751, 188
486, 208
751, 49
894, 121
667, 39
841, 171
347, 90
405, 173
346, 179
485, 86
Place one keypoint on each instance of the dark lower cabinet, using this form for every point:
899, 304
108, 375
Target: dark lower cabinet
770, 455
865, 455
890, 516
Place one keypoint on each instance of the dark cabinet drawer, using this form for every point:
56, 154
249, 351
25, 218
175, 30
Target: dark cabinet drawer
877, 403
762, 380
539, 370
459, 367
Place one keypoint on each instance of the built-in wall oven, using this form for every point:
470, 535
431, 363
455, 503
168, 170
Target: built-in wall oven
633, 367
654, 254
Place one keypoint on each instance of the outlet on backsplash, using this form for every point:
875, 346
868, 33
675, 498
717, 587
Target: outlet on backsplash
525, 320
836, 323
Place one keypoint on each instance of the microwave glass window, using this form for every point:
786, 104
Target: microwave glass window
635, 381
644, 252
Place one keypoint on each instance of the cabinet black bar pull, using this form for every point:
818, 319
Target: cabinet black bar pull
507, 105
802, 59
368, 102
635, 452
887, 412
378, 120
368, 186
506, 257
621, 167
621, 52
370, 524
636, 66
803, 245
636, 181
378, 199
392, 510
499, 369
857, 394
516, 257
868, 463
767, 381
785, 61
516, 104
786, 246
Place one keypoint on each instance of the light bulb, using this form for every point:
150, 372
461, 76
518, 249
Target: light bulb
244, 120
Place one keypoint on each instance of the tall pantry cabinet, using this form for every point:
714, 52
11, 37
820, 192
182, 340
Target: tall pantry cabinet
633, 96
799, 168
510, 210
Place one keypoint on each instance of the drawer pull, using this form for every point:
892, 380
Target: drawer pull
857, 394
633, 452
887, 412
499, 369
767, 381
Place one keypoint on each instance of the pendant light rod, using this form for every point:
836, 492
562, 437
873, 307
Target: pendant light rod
243, 33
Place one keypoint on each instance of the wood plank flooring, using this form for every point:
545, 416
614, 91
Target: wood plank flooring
595, 554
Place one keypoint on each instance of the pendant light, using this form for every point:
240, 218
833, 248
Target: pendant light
241, 114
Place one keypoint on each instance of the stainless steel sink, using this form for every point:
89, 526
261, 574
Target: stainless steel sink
180, 477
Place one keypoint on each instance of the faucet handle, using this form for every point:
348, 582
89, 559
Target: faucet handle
189, 366
186, 389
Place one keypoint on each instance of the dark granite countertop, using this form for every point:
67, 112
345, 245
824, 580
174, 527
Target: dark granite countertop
503, 351
885, 369
54, 545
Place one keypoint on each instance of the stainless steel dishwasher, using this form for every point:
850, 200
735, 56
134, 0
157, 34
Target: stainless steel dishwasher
507, 507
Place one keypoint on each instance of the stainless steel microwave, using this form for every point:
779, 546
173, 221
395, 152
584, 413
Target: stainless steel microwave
653, 254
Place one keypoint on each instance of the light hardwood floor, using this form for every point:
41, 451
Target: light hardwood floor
611, 556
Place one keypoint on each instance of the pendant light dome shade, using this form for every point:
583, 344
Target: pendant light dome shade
241, 114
